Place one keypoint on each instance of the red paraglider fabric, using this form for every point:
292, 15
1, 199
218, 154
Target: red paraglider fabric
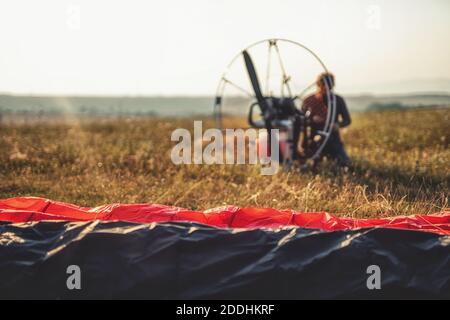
25, 209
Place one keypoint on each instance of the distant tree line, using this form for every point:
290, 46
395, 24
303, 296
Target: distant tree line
377, 106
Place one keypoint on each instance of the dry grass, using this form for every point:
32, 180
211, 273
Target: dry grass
402, 166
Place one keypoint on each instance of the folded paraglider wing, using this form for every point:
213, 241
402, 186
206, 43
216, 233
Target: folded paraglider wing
163, 252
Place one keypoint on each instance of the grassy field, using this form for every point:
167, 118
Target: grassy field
401, 166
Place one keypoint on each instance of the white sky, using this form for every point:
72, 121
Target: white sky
169, 47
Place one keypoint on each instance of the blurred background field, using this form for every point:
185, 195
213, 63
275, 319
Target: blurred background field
401, 166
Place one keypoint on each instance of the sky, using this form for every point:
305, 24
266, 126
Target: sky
179, 47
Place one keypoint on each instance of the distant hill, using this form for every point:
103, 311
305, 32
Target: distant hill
93, 105
177, 106
366, 102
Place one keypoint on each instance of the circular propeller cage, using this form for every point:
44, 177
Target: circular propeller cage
274, 70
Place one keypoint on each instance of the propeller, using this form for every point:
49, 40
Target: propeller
255, 82
262, 102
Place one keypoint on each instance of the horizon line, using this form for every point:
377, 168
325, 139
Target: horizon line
185, 95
